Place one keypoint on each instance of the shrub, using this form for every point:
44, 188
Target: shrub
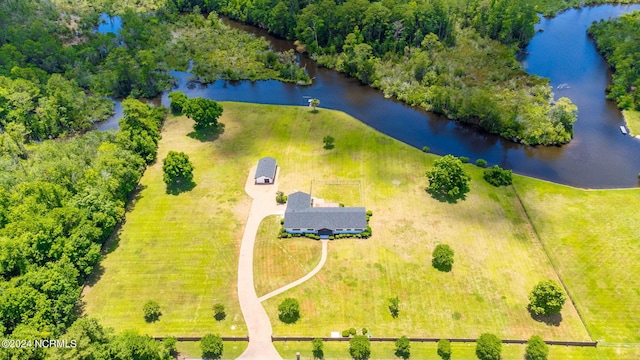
394, 307
169, 344
481, 163
546, 298
345, 333
425, 149
365, 331
403, 348
211, 346
488, 347
318, 349
447, 179
341, 204
328, 142
282, 221
442, 257
536, 349
218, 312
151, 311
352, 331
289, 311
369, 213
281, 198
444, 349
464, 159
497, 176
360, 347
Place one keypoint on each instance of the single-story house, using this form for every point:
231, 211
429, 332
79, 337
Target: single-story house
266, 171
301, 218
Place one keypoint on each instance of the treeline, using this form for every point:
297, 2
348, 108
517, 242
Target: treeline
59, 202
619, 41
454, 58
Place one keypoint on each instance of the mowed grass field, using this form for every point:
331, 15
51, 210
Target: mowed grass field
498, 258
633, 121
593, 238
179, 250
277, 262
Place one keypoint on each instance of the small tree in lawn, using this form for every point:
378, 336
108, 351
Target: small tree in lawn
177, 169
211, 346
394, 307
178, 100
204, 112
151, 311
536, 349
444, 349
289, 311
498, 176
360, 347
314, 103
328, 142
546, 298
318, 349
281, 198
488, 347
403, 348
442, 257
218, 312
447, 179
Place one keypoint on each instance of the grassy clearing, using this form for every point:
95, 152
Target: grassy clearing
340, 350
180, 251
498, 260
347, 192
278, 262
593, 238
191, 349
633, 121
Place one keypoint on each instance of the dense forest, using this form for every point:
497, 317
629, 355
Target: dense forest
619, 41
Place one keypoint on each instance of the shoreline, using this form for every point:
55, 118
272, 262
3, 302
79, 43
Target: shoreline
632, 121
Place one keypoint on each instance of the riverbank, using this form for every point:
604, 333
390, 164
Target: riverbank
632, 118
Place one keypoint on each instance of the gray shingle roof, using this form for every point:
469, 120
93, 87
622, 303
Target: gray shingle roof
300, 215
266, 167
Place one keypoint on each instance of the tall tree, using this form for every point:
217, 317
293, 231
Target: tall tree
448, 179
204, 112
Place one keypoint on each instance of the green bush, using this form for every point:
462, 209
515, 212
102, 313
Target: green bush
318, 351
481, 163
425, 149
369, 213
442, 257
151, 311
464, 159
403, 348
211, 346
546, 298
536, 349
360, 347
352, 331
444, 349
497, 176
365, 331
488, 347
345, 333
218, 312
289, 311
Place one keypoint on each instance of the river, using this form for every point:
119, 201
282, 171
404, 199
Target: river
598, 157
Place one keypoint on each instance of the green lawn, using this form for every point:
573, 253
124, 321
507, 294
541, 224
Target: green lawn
340, 351
180, 251
593, 238
278, 262
633, 121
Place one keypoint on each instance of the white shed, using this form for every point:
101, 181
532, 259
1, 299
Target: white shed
266, 171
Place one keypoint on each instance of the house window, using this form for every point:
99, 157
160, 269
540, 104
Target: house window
310, 229
339, 229
358, 230
295, 229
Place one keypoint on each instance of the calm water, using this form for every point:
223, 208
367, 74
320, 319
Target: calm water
598, 157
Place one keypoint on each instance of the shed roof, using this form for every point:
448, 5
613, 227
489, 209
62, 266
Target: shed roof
266, 167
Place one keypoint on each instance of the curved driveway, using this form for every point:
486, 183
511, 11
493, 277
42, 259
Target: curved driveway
258, 323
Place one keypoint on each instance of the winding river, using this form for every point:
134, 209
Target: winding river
598, 157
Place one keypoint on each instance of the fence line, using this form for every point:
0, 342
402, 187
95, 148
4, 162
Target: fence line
454, 340
198, 338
